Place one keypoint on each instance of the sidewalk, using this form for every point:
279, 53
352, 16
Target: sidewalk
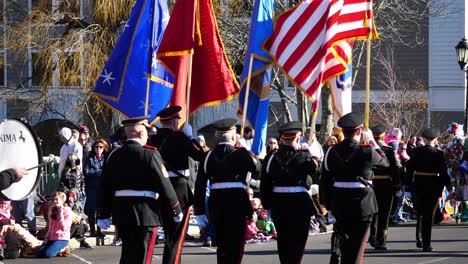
193, 230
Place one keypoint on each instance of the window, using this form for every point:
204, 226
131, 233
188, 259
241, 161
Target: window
58, 69
70, 69
41, 68
3, 57
58, 7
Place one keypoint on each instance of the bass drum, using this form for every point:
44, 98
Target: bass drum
19, 147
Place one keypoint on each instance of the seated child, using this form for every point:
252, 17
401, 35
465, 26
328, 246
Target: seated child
252, 233
265, 225
58, 232
15, 236
79, 223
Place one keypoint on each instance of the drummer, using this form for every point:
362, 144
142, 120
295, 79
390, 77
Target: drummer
10, 176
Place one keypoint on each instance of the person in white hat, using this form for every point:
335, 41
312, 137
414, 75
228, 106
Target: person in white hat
70, 145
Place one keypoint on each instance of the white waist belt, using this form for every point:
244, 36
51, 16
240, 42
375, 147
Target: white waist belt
350, 184
289, 189
227, 185
133, 193
186, 173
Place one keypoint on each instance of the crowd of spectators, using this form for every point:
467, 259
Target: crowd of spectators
71, 212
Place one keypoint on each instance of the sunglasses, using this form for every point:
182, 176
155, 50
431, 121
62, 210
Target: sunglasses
272, 143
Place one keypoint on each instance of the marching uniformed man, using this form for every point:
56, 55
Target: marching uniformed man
176, 147
428, 171
286, 179
386, 183
135, 184
347, 176
226, 167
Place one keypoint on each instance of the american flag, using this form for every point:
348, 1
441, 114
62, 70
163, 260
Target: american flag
304, 41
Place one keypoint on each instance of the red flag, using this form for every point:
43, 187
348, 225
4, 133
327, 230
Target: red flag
304, 39
212, 76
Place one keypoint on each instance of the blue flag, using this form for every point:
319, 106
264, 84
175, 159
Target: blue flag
122, 84
261, 28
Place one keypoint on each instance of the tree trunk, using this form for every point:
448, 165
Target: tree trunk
284, 102
326, 128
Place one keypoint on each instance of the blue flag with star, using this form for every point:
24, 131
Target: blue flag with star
261, 28
123, 82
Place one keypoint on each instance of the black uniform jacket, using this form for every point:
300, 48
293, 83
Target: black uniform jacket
394, 170
350, 162
139, 168
427, 159
288, 167
176, 148
7, 178
225, 164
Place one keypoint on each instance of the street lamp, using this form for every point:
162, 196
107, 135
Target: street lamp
462, 56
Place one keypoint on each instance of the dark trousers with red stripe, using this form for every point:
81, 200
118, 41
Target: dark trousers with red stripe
354, 240
384, 194
174, 235
293, 231
137, 243
426, 203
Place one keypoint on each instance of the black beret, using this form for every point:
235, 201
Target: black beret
169, 113
225, 125
142, 120
378, 129
83, 129
290, 128
351, 120
430, 133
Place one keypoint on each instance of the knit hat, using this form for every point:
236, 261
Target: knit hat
65, 132
396, 132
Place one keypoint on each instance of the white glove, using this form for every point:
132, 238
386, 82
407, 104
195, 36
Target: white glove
178, 218
399, 193
188, 131
255, 183
369, 137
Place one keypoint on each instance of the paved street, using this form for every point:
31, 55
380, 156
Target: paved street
449, 240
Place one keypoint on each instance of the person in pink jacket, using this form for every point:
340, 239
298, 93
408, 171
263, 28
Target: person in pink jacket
58, 233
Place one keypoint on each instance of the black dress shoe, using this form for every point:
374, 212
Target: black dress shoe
380, 247
84, 244
371, 242
419, 244
427, 249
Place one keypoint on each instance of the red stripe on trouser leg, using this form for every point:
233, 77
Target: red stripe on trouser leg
363, 246
241, 255
149, 254
182, 236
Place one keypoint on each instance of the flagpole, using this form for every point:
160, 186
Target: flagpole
189, 87
367, 106
313, 115
148, 81
246, 97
